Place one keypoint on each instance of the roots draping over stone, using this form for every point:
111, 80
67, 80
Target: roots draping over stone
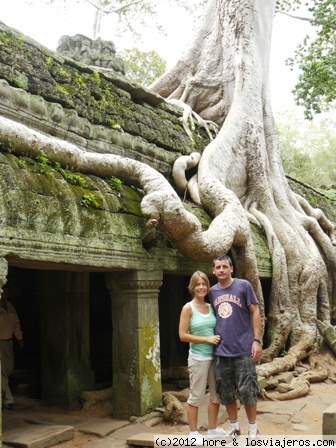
322, 366
298, 387
223, 76
173, 411
188, 119
161, 204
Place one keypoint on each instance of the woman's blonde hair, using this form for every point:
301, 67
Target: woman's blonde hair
193, 280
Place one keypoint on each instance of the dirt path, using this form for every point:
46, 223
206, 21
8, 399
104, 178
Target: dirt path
300, 416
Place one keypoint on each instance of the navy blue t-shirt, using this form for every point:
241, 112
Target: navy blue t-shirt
234, 324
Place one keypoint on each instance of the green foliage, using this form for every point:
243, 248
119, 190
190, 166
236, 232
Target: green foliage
22, 164
283, 353
90, 200
7, 145
61, 89
288, 5
74, 178
113, 124
115, 183
44, 164
308, 149
316, 60
47, 168
143, 67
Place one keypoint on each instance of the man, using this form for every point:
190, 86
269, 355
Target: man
240, 347
9, 325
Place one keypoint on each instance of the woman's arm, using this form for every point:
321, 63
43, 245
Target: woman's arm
184, 334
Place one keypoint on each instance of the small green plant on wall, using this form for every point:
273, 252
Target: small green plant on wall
90, 200
44, 164
74, 178
113, 124
115, 183
7, 145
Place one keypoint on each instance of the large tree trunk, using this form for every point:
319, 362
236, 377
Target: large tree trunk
223, 76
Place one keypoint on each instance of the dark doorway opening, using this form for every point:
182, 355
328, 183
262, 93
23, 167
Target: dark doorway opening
100, 330
24, 286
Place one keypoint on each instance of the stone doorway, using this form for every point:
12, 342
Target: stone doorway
37, 294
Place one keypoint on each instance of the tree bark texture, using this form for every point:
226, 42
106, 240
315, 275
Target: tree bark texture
223, 77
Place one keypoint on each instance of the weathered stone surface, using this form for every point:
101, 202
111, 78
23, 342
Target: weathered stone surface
314, 197
97, 52
101, 427
78, 98
329, 421
38, 436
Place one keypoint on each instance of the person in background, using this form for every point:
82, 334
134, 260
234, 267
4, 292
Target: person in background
240, 347
9, 326
197, 325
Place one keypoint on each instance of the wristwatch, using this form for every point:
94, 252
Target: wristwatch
258, 340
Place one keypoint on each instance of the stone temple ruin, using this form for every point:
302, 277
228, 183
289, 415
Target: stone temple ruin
98, 294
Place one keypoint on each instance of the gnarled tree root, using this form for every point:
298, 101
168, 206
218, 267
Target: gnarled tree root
89, 398
173, 411
322, 366
298, 387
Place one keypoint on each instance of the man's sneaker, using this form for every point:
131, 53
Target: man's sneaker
232, 433
217, 433
253, 434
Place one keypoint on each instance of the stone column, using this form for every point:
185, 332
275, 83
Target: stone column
65, 338
136, 343
3, 280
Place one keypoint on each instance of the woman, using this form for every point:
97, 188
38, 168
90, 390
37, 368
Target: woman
197, 325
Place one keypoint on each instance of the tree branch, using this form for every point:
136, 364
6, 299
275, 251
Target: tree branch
117, 10
307, 19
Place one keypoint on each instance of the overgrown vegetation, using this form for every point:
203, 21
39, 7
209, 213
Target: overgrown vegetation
308, 150
315, 56
143, 67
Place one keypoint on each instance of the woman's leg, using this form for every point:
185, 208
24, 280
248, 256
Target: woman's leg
213, 410
192, 413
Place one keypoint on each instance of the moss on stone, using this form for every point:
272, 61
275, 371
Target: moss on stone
317, 199
94, 95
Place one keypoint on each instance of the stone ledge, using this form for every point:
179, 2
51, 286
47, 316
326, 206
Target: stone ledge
38, 436
329, 421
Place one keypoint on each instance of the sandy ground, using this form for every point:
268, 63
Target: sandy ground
300, 416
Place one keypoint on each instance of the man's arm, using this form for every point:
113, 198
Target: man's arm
256, 349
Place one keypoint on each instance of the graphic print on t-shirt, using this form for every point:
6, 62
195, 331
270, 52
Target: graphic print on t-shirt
225, 310
224, 304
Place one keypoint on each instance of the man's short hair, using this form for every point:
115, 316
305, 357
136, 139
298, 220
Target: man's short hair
222, 257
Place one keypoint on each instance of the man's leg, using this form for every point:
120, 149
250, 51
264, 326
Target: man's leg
251, 413
232, 410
